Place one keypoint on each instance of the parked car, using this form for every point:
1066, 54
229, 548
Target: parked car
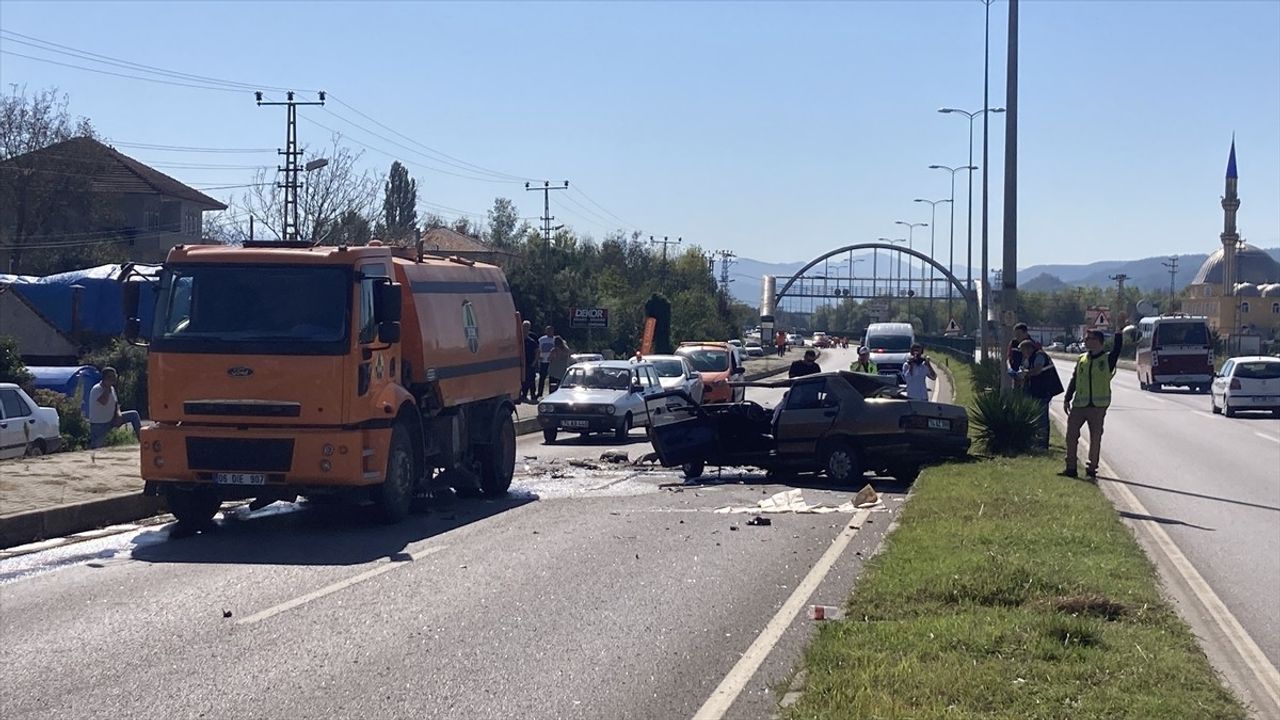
820, 340
1054, 347
718, 364
25, 427
585, 357
794, 340
599, 397
754, 349
675, 372
839, 423
1246, 384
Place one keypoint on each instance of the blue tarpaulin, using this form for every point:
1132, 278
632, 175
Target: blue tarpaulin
100, 309
74, 381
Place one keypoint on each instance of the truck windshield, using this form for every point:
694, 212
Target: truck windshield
889, 343
253, 309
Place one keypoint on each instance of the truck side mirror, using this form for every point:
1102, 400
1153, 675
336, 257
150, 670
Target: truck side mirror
389, 332
387, 302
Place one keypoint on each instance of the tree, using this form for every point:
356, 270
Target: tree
400, 205
503, 219
328, 194
351, 229
49, 219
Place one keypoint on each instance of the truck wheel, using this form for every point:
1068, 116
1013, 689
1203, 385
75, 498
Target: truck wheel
693, 470
624, 429
549, 436
499, 464
394, 497
842, 466
195, 507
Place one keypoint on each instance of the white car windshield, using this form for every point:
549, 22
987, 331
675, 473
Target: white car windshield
597, 378
669, 368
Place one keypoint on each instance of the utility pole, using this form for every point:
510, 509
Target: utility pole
291, 155
665, 242
546, 218
1115, 314
726, 261
1009, 278
1172, 264
984, 305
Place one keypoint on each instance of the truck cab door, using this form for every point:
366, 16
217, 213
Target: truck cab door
378, 363
811, 409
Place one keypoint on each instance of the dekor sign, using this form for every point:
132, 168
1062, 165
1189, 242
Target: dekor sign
589, 318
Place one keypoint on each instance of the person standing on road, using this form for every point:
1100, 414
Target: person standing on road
546, 344
1088, 397
1039, 380
807, 366
530, 364
864, 364
915, 371
104, 410
780, 341
558, 364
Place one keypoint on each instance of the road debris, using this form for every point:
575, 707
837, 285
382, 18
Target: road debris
615, 456
759, 520
825, 612
585, 464
867, 497
226, 613
787, 501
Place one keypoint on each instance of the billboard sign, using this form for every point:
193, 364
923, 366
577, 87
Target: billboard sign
590, 318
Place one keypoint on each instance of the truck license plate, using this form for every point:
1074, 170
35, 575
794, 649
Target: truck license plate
575, 423
939, 424
239, 478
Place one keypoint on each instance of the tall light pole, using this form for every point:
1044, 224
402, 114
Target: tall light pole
895, 280
911, 237
933, 226
969, 269
971, 168
986, 163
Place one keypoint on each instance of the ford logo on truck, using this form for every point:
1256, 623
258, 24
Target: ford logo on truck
240, 371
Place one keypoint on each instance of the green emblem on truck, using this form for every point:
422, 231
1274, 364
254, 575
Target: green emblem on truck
469, 327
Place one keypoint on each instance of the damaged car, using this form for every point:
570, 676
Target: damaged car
842, 424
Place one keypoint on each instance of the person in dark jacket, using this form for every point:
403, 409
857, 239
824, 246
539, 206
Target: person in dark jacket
807, 366
530, 365
1088, 397
1039, 380
1020, 335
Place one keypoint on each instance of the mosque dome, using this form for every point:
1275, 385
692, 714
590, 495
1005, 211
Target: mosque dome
1271, 290
1247, 290
1253, 265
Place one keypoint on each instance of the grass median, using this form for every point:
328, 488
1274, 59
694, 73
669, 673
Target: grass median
1009, 592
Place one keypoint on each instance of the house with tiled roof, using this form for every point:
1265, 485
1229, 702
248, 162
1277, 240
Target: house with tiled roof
444, 241
133, 206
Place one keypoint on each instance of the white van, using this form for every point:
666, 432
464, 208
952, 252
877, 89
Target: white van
890, 345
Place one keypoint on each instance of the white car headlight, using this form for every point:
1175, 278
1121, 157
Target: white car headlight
545, 408
609, 409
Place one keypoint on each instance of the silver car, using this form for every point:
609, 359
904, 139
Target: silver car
675, 373
599, 397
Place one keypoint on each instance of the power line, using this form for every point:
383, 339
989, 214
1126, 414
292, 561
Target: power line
603, 208
186, 148
546, 189
116, 74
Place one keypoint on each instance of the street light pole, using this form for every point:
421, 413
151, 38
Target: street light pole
911, 236
933, 215
953, 171
895, 281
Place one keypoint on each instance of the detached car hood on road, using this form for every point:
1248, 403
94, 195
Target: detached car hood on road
584, 396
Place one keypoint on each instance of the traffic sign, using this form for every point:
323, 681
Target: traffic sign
953, 327
1102, 321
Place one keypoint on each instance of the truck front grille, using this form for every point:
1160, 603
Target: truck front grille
239, 455
249, 408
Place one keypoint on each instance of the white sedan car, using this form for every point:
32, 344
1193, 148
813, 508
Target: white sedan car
1247, 383
25, 427
675, 372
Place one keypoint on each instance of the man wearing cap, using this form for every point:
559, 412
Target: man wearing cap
807, 366
864, 363
1088, 397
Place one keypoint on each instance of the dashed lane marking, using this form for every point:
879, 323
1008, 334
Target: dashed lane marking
1265, 436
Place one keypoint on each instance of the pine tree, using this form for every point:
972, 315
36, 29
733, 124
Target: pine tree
400, 205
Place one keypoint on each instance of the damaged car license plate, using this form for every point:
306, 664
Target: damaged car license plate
939, 424
240, 478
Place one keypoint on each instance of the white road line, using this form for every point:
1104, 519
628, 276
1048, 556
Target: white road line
731, 686
1265, 436
386, 566
1265, 674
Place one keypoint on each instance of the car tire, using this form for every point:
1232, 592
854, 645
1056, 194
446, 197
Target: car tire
1213, 405
1227, 409
624, 429
693, 470
193, 508
549, 436
35, 449
394, 497
498, 466
841, 463
1155, 387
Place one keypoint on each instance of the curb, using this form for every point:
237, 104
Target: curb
61, 520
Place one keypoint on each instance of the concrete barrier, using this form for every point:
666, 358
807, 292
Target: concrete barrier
61, 520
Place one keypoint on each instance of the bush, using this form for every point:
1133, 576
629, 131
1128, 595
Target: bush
986, 375
73, 426
1005, 423
12, 369
131, 363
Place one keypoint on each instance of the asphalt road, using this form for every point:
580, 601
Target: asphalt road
1212, 483
588, 593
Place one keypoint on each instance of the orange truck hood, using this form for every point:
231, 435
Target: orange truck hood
247, 389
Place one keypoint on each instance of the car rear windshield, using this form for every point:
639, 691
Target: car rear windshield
889, 343
707, 359
1181, 333
669, 368
1261, 370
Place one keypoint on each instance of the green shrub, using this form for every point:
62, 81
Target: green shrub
122, 435
12, 369
130, 362
1005, 423
986, 375
73, 426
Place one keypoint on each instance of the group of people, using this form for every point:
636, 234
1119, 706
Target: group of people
546, 360
1087, 396
916, 371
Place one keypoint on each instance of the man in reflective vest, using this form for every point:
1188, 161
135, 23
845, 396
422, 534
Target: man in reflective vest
1088, 397
864, 364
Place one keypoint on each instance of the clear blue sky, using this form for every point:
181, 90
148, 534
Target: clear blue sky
775, 130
